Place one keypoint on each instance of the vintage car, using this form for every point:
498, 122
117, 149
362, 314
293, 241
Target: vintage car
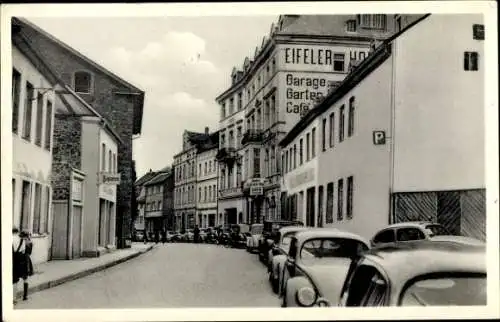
279, 252
253, 239
238, 235
317, 265
188, 236
418, 273
175, 236
270, 236
407, 231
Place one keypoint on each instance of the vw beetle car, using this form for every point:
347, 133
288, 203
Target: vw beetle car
408, 231
253, 239
278, 254
270, 236
317, 264
419, 273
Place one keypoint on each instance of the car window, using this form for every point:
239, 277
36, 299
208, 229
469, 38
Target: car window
366, 287
446, 291
292, 252
386, 236
436, 230
331, 247
407, 234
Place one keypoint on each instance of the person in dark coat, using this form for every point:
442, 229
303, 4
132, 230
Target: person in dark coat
196, 232
19, 265
29, 264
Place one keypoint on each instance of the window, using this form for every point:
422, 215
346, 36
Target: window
294, 156
329, 203
340, 199
398, 24
110, 161
323, 135
238, 175
321, 198
471, 60
332, 130
301, 151
16, 93
222, 140
283, 161
82, 82
115, 165
28, 111
273, 160
478, 32
44, 225
290, 160
256, 163
39, 119
341, 123
223, 110
386, 236
103, 157
313, 143
350, 188
351, 25
215, 192
377, 21
285, 165
408, 234
230, 140
206, 168
350, 124
240, 101
38, 208
274, 65
25, 205
308, 156
231, 106
338, 62
205, 194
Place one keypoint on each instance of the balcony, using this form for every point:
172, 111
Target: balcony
252, 136
226, 155
230, 192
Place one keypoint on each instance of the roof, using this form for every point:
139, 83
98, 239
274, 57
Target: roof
159, 178
139, 101
328, 233
359, 73
428, 257
148, 176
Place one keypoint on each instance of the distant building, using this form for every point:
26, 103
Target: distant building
302, 59
400, 139
186, 180
118, 101
140, 192
159, 210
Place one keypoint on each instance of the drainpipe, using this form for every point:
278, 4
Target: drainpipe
392, 135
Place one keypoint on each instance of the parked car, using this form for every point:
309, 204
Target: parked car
407, 231
224, 236
188, 236
253, 239
317, 264
176, 237
270, 236
211, 237
418, 273
138, 236
169, 235
278, 254
238, 235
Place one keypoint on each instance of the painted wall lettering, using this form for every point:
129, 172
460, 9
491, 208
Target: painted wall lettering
303, 91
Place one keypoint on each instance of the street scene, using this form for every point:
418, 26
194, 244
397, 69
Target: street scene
333, 160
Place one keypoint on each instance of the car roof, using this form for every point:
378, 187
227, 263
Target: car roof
458, 239
327, 232
287, 229
404, 261
410, 224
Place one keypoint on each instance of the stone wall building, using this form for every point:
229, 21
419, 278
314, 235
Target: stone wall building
118, 101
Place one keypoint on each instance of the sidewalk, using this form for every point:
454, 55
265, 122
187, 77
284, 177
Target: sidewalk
56, 272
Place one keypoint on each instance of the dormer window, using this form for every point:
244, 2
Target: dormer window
82, 82
351, 25
378, 21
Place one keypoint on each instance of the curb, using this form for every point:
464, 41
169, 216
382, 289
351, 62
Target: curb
72, 277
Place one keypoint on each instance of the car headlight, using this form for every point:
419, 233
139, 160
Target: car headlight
306, 296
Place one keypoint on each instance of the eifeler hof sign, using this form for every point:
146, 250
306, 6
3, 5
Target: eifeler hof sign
109, 178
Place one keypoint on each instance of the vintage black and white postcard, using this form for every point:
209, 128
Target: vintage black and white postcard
249, 161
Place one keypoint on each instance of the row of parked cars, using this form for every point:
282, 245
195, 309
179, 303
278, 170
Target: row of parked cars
405, 264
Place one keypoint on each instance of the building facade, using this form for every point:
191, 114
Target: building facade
140, 192
206, 183
85, 177
159, 202
33, 109
391, 142
295, 67
118, 101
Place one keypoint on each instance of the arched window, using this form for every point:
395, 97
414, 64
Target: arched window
82, 82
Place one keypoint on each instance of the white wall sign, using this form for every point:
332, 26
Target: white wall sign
77, 189
379, 137
110, 178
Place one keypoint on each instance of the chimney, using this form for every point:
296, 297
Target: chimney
206, 130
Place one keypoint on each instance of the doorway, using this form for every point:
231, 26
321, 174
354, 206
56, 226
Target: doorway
231, 214
310, 207
76, 242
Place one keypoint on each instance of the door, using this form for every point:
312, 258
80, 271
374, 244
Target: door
76, 232
310, 207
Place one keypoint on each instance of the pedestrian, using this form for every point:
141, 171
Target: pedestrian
18, 260
29, 264
157, 236
196, 234
164, 236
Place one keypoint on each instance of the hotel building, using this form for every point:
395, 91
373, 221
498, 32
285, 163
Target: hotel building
400, 139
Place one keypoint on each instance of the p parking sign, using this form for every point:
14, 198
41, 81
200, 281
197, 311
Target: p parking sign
379, 137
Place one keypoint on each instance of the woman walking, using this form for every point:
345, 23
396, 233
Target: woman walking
19, 264
29, 264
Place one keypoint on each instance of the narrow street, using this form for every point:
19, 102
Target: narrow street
169, 276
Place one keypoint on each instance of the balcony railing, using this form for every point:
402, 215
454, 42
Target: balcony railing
255, 136
226, 154
230, 192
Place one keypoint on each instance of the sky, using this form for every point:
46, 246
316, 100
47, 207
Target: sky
181, 63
